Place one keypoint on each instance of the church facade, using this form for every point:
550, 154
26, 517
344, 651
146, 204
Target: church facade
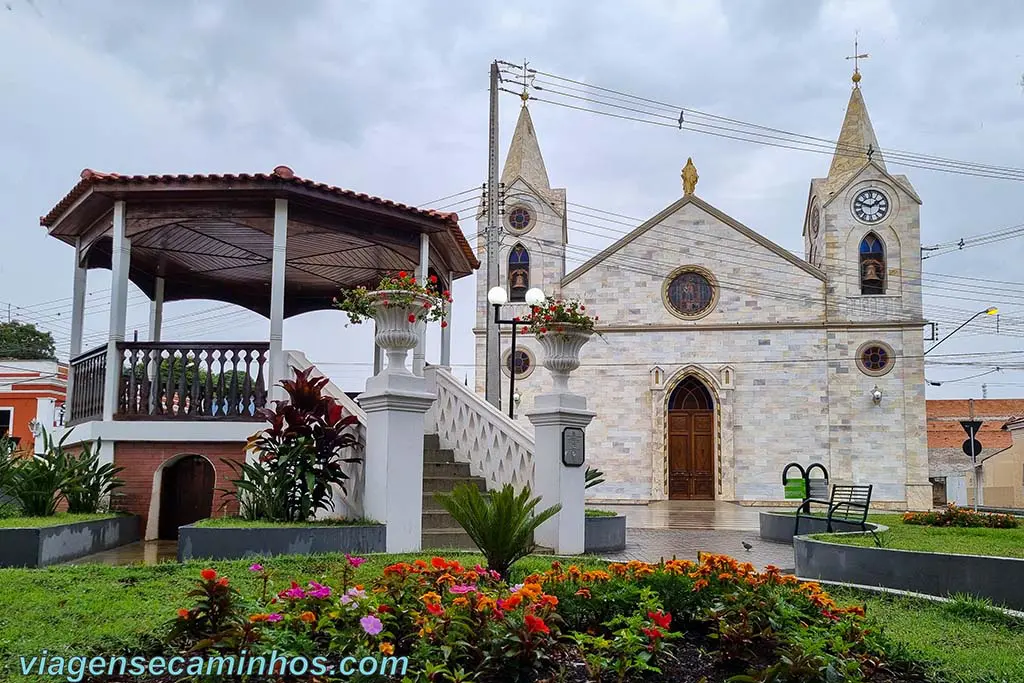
723, 357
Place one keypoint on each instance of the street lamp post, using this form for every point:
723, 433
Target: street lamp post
498, 297
992, 310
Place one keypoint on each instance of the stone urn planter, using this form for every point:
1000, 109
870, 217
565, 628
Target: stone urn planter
562, 351
396, 333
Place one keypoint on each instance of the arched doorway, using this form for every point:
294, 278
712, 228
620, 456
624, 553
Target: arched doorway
186, 494
691, 442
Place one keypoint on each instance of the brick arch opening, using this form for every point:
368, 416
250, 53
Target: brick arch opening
183, 493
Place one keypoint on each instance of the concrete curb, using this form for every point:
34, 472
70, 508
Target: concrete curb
779, 527
43, 546
227, 543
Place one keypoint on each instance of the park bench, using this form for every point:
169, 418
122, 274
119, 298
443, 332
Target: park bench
846, 503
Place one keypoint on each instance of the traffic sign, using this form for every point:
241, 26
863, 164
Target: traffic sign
971, 427
972, 448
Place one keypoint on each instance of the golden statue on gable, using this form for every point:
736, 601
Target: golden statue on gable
689, 176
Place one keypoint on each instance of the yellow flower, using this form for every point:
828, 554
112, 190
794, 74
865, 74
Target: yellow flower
460, 601
387, 648
431, 598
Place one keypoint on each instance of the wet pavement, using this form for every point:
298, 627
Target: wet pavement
142, 552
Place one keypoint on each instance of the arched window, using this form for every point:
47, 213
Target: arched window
518, 272
690, 394
872, 265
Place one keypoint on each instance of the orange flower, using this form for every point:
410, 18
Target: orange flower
257, 618
583, 592
420, 564
547, 601
208, 574
511, 602
223, 581
307, 617
439, 563
431, 598
460, 601
183, 613
700, 584
387, 649
435, 609
536, 624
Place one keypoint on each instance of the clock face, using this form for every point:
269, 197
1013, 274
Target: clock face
871, 206
815, 221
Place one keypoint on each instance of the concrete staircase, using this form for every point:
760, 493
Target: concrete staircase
442, 473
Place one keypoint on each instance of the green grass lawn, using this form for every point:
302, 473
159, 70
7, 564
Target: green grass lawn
59, 518
954, 540
589, 512
88, 609
966, 640
239, 523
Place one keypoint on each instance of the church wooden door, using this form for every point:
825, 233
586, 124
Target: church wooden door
691, 439
186, 494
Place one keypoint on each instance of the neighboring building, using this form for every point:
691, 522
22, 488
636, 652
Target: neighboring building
31, 391
1003, 471
725, 356
951, 471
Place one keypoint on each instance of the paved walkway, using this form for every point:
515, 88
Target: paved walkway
682, 529
141, 552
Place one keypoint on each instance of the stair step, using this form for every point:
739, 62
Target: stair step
446, 469
447, 538
439, 519
431, 442
447, 484
441, 455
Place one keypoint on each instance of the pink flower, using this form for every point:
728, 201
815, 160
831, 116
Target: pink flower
371, 625
274, 617
256, 567
293, 593
351, 595
354, 561
495, 575
479, 570
462, 589
318, 591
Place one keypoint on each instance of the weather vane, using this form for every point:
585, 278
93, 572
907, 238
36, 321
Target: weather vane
856, 57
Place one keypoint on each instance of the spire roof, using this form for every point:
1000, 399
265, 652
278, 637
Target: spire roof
524, 158
857, 143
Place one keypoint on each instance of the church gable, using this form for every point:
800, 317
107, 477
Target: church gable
692, 262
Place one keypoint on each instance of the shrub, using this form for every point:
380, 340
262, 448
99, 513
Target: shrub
90, 483
955, 516
301, 456
38, 483
501, 524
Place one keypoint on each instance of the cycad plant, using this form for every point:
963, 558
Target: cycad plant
92, 482
501, 524
9, 457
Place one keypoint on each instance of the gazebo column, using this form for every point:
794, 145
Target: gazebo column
276, 371
81, 281
156, 310
446, 332
423, 272
120, 262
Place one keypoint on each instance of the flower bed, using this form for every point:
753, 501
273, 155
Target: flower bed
440, 621
961, 517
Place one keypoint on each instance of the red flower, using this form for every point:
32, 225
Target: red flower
583, 308
183, 613
426, 304
551, 308
547, 318
535, 624
412, 318
402, 273
597, 317
439, 562
384, 609
652, 633
223, 581
543, 330
434, 609
446, 294
525, 330
444, 323
515, 319
208, 574
433, 278
412, 280
660, 618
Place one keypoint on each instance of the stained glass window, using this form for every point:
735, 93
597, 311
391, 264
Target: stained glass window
518, 272
518, 363
690, 293
519, 218
875, 358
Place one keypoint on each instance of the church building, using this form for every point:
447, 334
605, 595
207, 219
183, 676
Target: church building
723, 356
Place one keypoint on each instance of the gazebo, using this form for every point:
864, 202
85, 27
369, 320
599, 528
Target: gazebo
276, 244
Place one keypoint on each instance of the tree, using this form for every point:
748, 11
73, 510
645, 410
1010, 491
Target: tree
22, 341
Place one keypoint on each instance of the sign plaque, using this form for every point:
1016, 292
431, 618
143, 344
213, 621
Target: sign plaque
573, 447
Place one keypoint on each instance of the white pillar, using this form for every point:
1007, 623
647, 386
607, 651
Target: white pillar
156, 310
378, 353
554, 482
120, 262
46, 411
395, 405
419, 355
276, 371
446, 332
78, 300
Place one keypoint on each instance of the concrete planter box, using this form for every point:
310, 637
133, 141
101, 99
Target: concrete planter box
604, 534
1000, 579
39, 547
226, 543
779, 527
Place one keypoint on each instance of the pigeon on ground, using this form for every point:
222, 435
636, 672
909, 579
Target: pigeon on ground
747, 546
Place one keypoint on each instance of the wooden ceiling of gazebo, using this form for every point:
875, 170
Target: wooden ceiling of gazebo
211, 236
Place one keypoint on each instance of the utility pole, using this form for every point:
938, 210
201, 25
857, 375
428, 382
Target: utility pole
492, 350
974, 457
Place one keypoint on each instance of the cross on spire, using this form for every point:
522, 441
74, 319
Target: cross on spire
856, 57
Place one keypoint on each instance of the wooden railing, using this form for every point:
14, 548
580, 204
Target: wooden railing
87, 374
192, 380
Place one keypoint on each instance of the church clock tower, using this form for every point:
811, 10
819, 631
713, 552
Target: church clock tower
533, 235
862, 228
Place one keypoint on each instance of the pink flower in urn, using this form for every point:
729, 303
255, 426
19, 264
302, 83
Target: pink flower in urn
371, 625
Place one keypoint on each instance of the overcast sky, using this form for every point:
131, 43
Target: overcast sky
389, 97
